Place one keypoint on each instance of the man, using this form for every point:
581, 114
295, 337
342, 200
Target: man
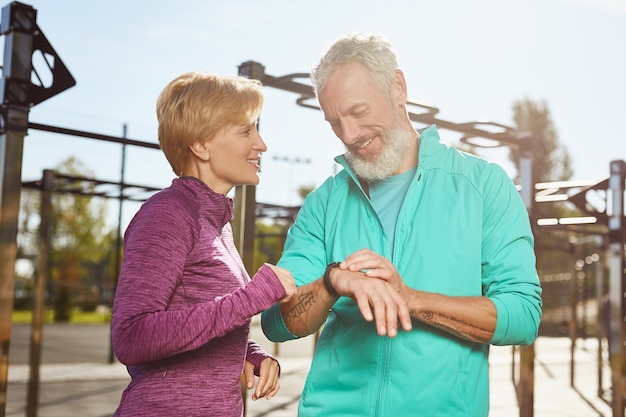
435, 255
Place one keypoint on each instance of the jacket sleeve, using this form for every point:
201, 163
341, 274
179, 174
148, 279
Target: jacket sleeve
272, 321
143, 328
510, 277
304, 255
256, 354
273, 325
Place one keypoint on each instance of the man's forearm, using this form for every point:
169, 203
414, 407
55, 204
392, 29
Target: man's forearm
470, 318
308, 311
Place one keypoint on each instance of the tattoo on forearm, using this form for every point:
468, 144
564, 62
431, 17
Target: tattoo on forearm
475, 332
304, 301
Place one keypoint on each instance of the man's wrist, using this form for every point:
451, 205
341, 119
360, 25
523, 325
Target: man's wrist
327, 283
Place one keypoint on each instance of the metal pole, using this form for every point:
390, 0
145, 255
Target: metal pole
615, 195
526, 386
18, 24
245, 195
32, 400
245, 205
11, 148
119, 242
573, 322
600, 303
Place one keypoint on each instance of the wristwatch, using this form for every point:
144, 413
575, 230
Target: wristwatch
327, 284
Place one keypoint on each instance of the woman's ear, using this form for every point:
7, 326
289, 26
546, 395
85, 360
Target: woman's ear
200, 149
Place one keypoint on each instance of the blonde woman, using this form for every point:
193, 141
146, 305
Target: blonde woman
184, 301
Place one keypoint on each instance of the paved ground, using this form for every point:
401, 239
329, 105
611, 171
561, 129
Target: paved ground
77, 380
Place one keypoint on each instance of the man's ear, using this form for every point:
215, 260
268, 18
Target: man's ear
398, 89
200, 149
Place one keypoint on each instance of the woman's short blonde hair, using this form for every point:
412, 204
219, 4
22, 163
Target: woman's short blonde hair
196, 105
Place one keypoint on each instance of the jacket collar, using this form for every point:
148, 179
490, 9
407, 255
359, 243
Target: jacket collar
216, 207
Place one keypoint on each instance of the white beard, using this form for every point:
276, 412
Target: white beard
396, 143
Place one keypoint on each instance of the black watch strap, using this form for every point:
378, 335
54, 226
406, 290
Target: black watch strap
327, 284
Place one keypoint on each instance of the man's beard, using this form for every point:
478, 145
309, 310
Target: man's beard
396, 143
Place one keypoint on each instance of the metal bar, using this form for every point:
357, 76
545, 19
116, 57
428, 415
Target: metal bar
18, 24
601, 320
32, 399
527, 353
505, 136
573, 322
91, 135
616, 285
11, 148
67, 186
244, 216
118, 238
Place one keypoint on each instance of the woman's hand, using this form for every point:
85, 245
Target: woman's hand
268, 384
286, 279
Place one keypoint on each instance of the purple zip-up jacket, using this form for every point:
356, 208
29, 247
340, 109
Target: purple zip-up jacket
183, 306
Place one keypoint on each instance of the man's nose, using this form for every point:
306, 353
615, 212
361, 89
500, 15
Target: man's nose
350, 132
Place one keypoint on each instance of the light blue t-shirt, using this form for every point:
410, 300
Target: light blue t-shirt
387, 197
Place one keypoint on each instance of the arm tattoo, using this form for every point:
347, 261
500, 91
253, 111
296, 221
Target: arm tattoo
475, 332
295, 312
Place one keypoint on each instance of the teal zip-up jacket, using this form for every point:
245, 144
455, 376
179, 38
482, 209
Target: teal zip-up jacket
462, 231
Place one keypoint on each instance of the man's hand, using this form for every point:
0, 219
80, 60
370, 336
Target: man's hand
375, 266
268, 384
470, 318
377, 299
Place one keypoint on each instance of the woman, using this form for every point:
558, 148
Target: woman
184, 301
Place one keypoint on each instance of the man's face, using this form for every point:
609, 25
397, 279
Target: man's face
362, 115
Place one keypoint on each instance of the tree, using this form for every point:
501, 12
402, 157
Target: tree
269, 242
551, 162
80, 244
304, 190
270, 235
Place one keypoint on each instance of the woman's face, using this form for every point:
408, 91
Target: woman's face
235, 157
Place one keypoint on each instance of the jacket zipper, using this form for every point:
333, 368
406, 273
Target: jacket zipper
386, 342
385, 348
237, 259
384, 375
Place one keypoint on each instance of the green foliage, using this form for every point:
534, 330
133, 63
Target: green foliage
269, 241
270, 235
304, 190
80, 247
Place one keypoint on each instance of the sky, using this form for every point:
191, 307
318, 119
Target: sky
470, 59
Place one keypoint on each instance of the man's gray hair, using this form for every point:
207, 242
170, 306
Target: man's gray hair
372, 51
